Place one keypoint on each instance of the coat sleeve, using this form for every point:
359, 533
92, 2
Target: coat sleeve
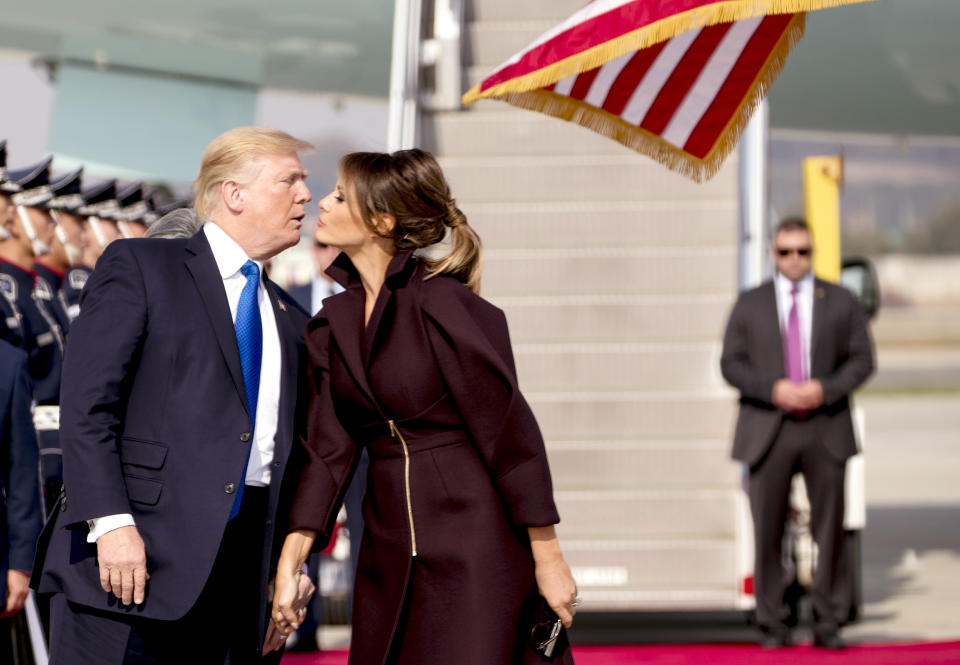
472, 347
736, 364
858, 364
329, 453
96, 381
22, 484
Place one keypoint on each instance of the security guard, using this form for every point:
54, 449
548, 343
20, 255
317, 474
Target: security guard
34, 298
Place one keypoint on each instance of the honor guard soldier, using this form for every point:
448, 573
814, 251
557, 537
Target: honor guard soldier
131, 209
11, 320
72, 237
103, 229
34, 298
53, 266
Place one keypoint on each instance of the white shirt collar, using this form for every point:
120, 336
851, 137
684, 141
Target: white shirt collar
229, 256
785, 285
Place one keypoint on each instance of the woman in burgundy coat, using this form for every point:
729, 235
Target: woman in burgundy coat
409, 363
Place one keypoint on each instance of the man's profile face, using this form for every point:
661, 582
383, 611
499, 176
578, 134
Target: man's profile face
274, 204
43, 225
793, 253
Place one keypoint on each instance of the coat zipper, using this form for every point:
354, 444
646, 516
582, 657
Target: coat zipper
395, 432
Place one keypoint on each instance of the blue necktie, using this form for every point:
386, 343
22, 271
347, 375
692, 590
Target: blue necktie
250, 342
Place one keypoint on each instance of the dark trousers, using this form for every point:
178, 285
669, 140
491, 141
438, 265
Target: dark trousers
51, 467
222, 627
797, 449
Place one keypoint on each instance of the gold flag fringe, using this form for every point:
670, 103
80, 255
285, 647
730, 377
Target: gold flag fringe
654, 33
654, 146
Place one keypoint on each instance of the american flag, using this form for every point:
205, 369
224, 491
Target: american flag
677, 80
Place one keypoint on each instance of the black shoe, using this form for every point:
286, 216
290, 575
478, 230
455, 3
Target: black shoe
776, 639
828, 641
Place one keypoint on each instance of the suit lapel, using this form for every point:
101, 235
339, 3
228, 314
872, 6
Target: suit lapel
289, 334
772, 315
203, 269
348, 331
819, 319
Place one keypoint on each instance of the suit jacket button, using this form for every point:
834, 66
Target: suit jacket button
229, 488
245, 437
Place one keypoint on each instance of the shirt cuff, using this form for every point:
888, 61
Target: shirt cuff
102, 525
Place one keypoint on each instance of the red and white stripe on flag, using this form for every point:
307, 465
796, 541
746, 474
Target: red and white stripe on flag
675, 80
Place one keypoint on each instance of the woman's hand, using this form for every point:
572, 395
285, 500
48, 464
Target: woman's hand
554, 580
288, 585
285, 614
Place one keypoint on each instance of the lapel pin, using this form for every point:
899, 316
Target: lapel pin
283, 308
820, 292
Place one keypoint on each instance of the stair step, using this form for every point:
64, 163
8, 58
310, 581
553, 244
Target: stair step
511, 10
494, 42
616, 318
629, 176
634, 415
610, 271
664, 464
649, 567
619, 367
655, 514
508, 132
584, 224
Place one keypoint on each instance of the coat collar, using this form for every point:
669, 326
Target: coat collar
344, 312
399, 269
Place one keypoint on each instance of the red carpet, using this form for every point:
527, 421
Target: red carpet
941, 653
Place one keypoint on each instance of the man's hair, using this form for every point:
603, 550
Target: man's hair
792, 224
179, 223
233, 156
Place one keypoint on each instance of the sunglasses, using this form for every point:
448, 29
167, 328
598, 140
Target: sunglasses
799, 251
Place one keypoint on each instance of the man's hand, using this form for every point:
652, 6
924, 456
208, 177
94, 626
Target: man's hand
123, 564
791, 396
811, 394
786, 395
18, 587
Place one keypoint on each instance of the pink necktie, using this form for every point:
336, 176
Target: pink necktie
793, 347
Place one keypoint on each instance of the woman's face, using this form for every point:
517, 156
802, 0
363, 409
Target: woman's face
339, 225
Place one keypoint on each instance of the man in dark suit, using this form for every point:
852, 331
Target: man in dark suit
20, 515
795, 348
180, 412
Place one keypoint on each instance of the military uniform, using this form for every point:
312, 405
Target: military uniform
35, 298
11, 320
94, 200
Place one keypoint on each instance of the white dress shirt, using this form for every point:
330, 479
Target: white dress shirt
230, 258
322, 287
783, 286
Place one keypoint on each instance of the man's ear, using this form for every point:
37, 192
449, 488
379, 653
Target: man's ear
384, 223
233, 196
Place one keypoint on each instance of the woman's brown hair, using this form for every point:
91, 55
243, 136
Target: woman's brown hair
409, 186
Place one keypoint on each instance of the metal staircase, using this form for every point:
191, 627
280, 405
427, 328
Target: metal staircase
616, 276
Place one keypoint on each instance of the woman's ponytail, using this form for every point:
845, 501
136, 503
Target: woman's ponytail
465, 261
